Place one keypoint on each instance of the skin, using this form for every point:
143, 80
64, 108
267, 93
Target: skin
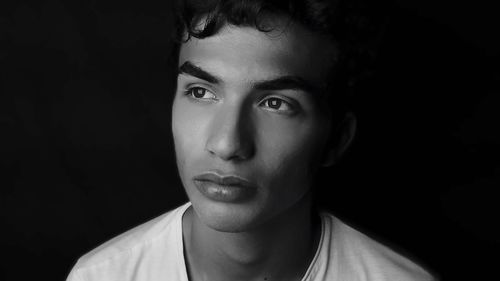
271, 134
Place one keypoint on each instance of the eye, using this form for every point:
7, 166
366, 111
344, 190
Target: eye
277, 104
200, 93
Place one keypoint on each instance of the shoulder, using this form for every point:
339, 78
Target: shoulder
365, 256
135, 245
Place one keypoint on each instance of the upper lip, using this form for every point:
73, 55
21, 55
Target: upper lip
228, 180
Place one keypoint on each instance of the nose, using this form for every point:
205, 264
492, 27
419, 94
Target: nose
231, 137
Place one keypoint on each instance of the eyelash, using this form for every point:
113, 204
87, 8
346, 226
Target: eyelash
292, 108
189, 92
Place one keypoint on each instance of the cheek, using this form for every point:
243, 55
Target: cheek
187, 130
290, 151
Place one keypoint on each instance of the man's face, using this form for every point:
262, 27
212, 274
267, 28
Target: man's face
247, 124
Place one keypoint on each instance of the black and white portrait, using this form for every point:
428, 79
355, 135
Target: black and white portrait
250, 140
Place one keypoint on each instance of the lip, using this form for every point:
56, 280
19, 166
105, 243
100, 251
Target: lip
223, 180
224, 188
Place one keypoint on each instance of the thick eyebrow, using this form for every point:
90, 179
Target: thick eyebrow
193, 70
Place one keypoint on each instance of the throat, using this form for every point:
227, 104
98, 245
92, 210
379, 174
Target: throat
282, 249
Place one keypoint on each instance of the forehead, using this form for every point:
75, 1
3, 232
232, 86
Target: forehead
236, 52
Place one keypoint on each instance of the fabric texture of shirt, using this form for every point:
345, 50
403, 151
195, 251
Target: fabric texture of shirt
153, 251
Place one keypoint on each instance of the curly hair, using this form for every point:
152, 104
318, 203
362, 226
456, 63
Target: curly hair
354, 25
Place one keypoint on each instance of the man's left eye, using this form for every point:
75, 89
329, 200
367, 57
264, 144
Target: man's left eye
277, 104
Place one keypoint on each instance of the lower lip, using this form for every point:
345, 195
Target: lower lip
224, 193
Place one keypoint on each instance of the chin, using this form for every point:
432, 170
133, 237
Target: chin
227, 217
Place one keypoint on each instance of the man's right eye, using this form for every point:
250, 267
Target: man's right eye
200, 93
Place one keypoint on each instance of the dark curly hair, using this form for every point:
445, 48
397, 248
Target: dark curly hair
354, 25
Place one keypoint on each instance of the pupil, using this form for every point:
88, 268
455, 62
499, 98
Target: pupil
199, 93
274, 103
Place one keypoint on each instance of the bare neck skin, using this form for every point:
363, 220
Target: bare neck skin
282, 249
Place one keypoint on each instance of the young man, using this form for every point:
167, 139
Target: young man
256, 113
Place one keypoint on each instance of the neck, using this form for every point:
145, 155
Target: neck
280, 249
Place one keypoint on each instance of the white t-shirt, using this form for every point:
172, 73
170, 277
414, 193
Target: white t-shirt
153, 251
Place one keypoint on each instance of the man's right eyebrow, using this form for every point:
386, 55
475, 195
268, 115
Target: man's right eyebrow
190, 69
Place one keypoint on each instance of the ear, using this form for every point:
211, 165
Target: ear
341, 140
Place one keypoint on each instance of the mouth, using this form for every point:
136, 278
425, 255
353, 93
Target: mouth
227, 188
229, 180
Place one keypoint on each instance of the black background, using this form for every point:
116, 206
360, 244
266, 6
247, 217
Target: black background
86, 150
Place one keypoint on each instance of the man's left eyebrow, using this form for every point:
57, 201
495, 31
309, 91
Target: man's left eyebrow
287, 83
